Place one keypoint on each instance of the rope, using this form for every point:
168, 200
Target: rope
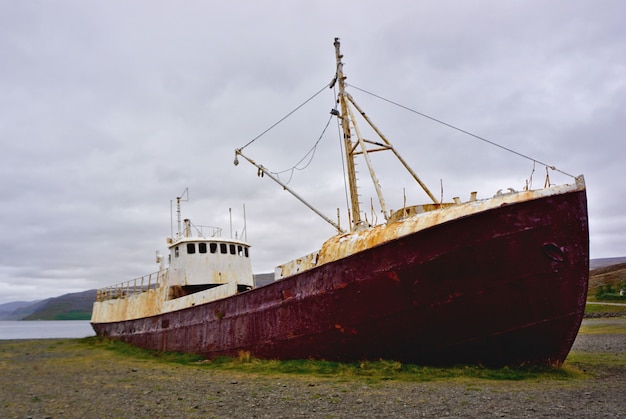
311, 152
285, 117
464, 131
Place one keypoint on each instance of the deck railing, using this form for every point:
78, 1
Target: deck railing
132, 287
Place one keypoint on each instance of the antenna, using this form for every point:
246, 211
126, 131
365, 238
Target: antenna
183, 197
245, 226
230, 216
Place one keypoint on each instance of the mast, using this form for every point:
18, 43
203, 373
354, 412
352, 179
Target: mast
353, 147
359, 146
183, 197
347, 141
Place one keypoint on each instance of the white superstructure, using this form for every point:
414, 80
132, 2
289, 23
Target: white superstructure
201, 268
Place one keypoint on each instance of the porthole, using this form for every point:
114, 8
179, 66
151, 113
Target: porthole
554, 252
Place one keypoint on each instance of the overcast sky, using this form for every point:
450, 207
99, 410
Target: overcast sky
110, 109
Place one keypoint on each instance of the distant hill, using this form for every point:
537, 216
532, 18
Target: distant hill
604, 262
24, 311
263, 279
75, 306
17, 310
613, 275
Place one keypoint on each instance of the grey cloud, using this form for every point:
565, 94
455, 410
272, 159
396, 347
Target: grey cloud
110, 110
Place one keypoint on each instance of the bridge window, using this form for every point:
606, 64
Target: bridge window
223, 248
191, 248
213, 247
242, 251
233, 249
201, 247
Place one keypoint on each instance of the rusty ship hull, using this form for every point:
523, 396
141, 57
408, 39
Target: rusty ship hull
499, 287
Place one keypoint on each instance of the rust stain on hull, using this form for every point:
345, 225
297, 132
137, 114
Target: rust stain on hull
499, 287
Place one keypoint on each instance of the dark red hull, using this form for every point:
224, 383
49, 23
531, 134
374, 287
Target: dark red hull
505, 286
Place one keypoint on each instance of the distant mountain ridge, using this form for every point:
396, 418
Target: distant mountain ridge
24, 310
604, 262
16, 310
74, 306
613, 276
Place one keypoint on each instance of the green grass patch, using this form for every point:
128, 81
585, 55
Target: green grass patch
369, 371
383, 370
585, 360
605, 308
126, 350
603, 326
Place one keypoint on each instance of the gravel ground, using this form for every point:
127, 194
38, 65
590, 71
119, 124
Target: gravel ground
67, 379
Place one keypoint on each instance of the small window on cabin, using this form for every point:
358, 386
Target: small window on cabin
176, 251
245, 251
223, 248
201, 247
191, 248
213, 247
233, 249
239, 251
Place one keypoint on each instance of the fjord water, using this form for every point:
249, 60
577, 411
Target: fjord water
45, 329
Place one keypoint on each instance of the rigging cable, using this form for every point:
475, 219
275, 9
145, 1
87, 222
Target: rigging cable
463, 131
310, 152
285, 117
